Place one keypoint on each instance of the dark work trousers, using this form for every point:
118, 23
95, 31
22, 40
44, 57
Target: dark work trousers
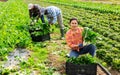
42, 18
86, 49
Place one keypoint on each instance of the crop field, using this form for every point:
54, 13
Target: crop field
47, 57
101, 21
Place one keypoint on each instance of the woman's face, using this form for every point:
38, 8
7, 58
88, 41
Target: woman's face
73, 24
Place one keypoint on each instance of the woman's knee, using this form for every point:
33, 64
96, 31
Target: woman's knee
93, 47
73, 54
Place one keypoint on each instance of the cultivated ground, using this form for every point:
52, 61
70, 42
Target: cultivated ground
58, 48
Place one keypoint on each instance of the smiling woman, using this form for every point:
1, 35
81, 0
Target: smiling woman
75, 40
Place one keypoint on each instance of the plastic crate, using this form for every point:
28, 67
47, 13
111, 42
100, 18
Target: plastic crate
40, 38
89, 69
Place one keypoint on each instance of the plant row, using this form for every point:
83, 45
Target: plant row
14, 20
103, 8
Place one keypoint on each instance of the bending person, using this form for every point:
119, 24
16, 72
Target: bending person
35, 12
54, 14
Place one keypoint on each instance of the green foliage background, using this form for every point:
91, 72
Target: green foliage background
14, 21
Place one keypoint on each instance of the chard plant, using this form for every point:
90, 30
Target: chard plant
38, 28
83, 59
89, 36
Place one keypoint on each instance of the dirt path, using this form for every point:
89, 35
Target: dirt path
57, 55
15, 57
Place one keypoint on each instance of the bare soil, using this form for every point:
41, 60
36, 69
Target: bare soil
100, 71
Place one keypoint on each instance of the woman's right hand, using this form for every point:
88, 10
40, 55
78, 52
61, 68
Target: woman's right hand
80, 45
76, 47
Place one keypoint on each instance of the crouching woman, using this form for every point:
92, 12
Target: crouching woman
75, 40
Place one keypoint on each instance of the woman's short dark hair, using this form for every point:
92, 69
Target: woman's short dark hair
46, 12
73, 19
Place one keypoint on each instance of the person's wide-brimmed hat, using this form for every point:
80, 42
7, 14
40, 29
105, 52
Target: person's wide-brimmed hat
30, 6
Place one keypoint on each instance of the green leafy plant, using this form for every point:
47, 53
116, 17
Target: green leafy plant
84, 59
89, 35
101, 53
116, 64
38, 28
5, 72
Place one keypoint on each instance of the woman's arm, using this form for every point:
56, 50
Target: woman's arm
70, 43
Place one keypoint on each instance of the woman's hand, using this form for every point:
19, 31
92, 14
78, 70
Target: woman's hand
50, 23
76, 47
80, 45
